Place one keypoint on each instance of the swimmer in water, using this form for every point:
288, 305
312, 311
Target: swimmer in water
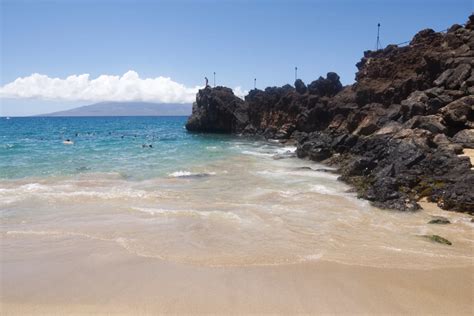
68, 142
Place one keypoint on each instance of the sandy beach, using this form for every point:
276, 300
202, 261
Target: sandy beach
236, 157
115, 246
98, 277
108, 281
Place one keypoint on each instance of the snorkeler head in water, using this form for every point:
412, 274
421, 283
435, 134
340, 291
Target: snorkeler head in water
68, 142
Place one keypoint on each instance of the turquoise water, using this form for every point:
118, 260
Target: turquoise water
211, 200
34, 146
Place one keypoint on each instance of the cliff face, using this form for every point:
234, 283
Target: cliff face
218, 110
395, 134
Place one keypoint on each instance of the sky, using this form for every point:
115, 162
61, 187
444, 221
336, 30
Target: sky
60, 54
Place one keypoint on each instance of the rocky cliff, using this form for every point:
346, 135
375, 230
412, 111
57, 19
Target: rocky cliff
395, 134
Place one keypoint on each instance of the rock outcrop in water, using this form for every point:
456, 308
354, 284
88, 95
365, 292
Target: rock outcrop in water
395, 134
217, 110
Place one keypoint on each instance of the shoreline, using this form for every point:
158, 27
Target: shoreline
423, 202
77, 276
71, 273
395, 141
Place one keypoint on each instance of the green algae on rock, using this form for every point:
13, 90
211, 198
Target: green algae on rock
438, 239
439, 220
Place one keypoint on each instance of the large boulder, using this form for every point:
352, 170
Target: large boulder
300, 86
328, 86
459, 196
218, 110
465, 138
459, 112
470, 22
415, 104
424, 36
444, 143
433, 123
441, 80
457, 77
437, 98
316, 146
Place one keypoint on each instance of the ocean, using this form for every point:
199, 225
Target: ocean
150, 188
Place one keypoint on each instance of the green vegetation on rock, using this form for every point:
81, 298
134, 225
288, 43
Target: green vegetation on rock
439, 220
438, 239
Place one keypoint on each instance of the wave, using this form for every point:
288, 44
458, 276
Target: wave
68, 191
285, 173
272, 152
34, 187
188, 174
53, 233
180, 173
311, 257
256, 153
189, 212
9, 146
120, 241
322, 189
286, 150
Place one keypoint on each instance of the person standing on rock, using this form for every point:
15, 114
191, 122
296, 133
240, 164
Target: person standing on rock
207, 82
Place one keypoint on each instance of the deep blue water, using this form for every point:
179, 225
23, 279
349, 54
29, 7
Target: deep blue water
34, 146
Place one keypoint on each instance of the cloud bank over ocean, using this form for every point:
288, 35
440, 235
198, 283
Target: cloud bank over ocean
128, 87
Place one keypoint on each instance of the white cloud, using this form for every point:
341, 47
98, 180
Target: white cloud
239, 92
128, 87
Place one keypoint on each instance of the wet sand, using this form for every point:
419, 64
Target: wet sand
289, 240
107, 280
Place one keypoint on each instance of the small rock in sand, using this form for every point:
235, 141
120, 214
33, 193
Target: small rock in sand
438, 239
439, 220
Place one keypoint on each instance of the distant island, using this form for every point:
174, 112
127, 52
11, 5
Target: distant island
127, 109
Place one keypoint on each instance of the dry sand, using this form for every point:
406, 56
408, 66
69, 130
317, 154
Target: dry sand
467, 152
108, 281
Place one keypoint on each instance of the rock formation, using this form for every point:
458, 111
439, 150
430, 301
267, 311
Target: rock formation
395, 134
217, 110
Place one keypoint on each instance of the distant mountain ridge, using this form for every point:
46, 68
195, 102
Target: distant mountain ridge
127, 109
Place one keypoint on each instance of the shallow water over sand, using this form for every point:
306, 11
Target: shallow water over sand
205, 224
243, 209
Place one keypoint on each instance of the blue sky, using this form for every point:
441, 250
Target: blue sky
187, 40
